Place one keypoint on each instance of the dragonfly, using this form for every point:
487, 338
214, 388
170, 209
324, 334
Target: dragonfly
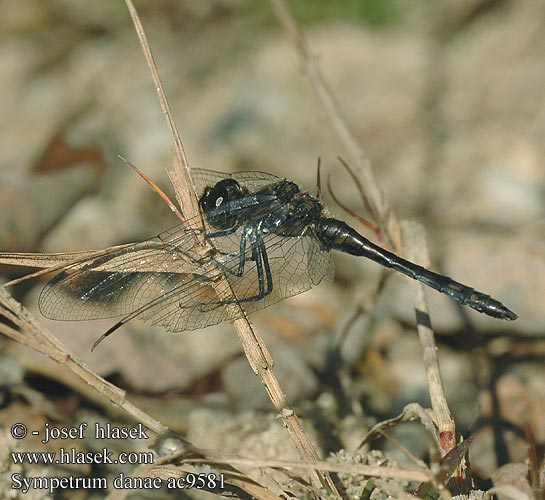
265, 235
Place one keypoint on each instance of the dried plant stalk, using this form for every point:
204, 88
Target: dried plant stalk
359, 159
35, 335
256, 352
416, 250
386, 217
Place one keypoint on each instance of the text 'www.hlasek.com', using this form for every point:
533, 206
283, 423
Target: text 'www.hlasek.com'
102, 457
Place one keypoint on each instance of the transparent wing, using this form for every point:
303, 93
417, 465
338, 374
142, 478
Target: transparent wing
182, 297
119, 282
297, 265
252, 180
168, 281
192, 305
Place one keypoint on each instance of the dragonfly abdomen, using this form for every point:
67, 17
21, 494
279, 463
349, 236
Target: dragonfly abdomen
337, 235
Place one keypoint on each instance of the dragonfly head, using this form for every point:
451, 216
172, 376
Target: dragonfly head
215, 201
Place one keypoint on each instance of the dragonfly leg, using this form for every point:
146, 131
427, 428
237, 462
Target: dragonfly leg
241, 254
263, 270
267, 267
262, 263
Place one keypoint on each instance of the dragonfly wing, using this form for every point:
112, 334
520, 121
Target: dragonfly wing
164, 281
189, 305
297, 264
252, 180
121, 281
167, 282
320, 264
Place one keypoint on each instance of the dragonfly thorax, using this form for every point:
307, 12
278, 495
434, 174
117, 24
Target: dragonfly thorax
303, 210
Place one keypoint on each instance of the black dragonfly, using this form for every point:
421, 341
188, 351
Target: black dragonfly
267, 237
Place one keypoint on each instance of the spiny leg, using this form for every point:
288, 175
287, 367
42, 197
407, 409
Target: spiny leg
263, 270
241, 254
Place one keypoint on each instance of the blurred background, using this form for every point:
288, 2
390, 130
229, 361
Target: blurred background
448, 100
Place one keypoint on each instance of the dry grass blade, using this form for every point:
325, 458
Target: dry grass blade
186, 194
345, 468
224, 464
414, 240
163, 468
256, 352
36, 336
412, 411
156, 189
386, 217
236, 484
357, 154
49, 262
60, 261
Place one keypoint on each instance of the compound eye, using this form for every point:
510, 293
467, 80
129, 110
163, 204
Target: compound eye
218, 195
224, 191
229, 190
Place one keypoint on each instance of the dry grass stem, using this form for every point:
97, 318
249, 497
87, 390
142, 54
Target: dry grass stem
223, 462
412, 411
344, 468
187, 195
36, 336
164, 469
416, 250
376, 199
258, 356
49, 262
240, 481
386, 217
